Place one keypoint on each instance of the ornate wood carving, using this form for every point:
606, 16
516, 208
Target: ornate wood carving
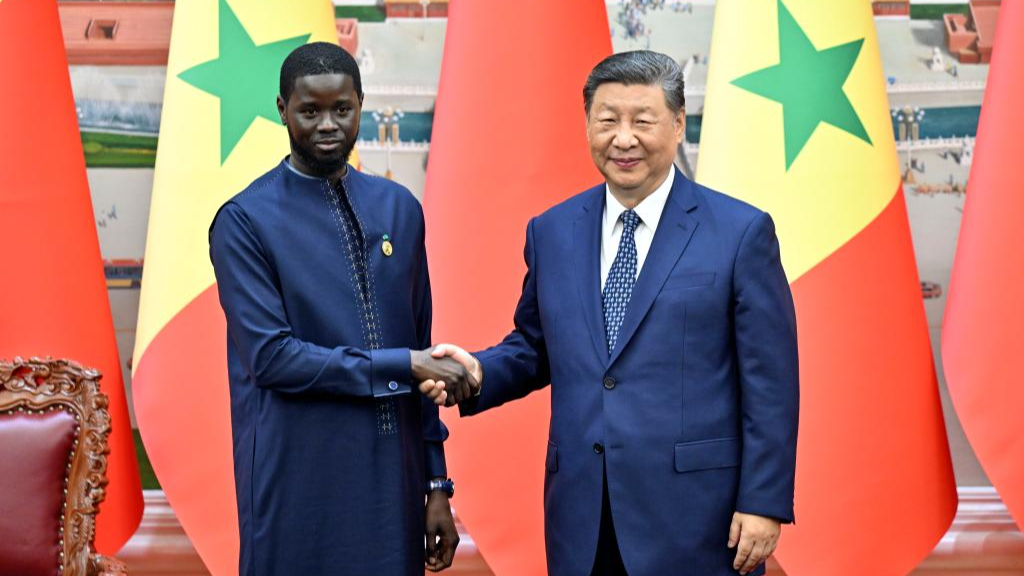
40, 385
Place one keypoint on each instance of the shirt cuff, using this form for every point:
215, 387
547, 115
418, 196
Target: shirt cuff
391, 372
433, 454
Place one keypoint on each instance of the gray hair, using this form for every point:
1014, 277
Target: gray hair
642, 67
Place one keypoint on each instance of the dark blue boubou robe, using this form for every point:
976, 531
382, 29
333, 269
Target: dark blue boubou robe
333, 444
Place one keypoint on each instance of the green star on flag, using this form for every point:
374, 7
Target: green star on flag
809, 84
244, 77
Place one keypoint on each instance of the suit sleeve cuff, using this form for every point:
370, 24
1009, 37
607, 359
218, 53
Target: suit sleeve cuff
481, 401
436, 467
391, 372
783, 514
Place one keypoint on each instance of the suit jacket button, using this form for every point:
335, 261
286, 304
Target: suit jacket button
609, 382
598, 448
392, 385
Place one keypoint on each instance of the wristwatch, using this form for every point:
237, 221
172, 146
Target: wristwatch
447, 486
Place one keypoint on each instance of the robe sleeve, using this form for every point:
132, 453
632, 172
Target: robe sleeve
434, 431
258, 326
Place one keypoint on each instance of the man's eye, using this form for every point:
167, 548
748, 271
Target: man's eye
309, 112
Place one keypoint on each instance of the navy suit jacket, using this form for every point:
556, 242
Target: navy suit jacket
693, 414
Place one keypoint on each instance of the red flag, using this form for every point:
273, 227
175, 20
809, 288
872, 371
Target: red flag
54, 299
984, 314
509, 141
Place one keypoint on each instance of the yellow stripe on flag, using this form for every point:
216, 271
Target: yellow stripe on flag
190, 181
838, 182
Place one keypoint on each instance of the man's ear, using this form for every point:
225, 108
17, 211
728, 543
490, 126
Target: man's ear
680, 125
281, 110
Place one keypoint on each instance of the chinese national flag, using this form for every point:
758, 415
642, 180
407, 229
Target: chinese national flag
509, 141
984, 313
54, 296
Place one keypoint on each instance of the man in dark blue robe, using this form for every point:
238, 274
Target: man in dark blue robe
322, 274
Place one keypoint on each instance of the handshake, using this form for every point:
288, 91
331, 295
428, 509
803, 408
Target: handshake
447, 374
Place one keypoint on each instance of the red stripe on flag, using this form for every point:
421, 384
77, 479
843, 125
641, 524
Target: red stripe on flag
54, 299
873, 466
183, 408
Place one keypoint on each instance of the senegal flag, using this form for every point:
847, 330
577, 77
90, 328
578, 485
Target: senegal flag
797, 123
220, 130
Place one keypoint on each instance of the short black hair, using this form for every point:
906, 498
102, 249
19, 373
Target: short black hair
642, 67
318, 58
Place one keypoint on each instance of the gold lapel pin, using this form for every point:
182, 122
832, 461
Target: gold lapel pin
386, 246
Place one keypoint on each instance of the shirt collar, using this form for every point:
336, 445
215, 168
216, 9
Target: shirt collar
649, 209
288, 163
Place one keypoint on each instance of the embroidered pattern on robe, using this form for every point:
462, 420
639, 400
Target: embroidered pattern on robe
352, 233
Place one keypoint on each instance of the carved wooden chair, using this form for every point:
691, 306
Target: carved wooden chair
53, 461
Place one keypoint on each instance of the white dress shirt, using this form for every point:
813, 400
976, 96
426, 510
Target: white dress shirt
649, 210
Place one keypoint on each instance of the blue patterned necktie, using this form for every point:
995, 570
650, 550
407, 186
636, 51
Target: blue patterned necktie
618, 287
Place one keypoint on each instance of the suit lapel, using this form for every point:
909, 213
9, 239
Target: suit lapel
587, 261
675, 229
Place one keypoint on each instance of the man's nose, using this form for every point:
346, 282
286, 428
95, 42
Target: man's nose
624, 137
327, 124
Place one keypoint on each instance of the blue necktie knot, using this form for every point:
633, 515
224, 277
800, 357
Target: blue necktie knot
630, 220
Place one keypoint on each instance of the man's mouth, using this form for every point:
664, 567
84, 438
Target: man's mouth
328, 145
626, 163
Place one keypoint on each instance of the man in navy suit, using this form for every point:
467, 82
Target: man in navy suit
659, 312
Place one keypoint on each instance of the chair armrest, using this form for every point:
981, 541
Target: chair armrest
107, 566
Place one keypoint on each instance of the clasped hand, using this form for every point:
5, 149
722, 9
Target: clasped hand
447, 374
